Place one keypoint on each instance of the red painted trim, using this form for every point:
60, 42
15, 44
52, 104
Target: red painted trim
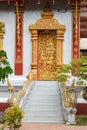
81, 109
19, 48
3, 106
18, 68
75, 37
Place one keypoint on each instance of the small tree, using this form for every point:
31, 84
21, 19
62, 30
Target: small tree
77, 67
5, 68
63, 72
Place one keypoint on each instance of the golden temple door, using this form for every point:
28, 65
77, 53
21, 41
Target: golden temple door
47, 36
46, 55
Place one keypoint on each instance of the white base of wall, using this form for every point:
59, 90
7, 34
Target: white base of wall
15, 81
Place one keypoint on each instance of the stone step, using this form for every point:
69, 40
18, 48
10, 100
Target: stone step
43, 107
46, 86
44, 89
44, 97
43, 113
51, 119
44, 102
46, 92
46, 82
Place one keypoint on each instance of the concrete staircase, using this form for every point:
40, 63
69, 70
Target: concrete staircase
44, 103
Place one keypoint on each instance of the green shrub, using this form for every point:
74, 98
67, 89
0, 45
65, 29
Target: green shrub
5, 69
76, 67
13, 117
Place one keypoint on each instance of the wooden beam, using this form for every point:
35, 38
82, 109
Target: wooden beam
83, 19
83, 25
83, 35
3, 0
83, 3
84, 30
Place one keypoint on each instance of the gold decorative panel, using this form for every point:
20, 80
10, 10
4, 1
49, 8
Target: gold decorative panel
47, 55
2, 31
47, 36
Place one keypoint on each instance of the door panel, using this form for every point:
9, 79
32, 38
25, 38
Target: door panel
47, 55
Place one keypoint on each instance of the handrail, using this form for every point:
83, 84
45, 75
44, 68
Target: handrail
68, 103
68, 97
14, 99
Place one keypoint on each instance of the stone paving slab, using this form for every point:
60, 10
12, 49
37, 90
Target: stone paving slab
49, 126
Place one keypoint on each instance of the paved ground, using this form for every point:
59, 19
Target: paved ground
50, 126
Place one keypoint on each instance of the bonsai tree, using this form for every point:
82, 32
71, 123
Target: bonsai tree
5, 69
76, 68
63, 72
80, 69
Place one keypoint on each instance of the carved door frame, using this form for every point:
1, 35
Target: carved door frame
47, 22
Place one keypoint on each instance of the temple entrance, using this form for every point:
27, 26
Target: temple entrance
47, 36
47, 55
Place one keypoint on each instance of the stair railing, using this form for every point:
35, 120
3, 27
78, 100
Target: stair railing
68, 103
15, 99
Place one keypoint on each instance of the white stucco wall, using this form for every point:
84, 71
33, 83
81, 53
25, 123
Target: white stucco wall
7, 16
65, 18
30, 16
83, 43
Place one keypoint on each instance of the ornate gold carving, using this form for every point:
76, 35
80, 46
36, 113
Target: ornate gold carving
68, 98
19, 6
61, 31
19, 10
12, 96
34, 32
47, 55
47, 21
75, 6
47, 12
84, 93
47, 45
30, 76
34, 47
14, 99
47, 7
2, 31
